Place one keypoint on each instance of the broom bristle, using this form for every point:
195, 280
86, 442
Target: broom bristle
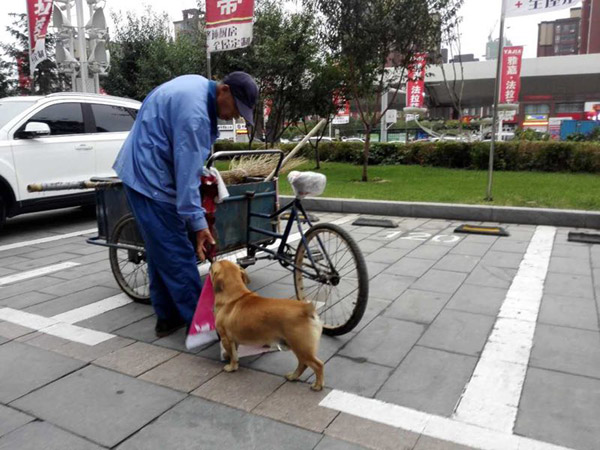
256, 166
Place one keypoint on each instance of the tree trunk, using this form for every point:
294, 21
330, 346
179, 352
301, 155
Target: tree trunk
366, 154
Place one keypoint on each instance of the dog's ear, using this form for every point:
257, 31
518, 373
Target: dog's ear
245, 277
215, 277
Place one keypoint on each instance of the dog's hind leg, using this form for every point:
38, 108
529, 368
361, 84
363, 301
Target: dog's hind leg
317, 366
293, 376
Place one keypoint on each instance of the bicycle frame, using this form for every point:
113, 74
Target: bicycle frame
295, 206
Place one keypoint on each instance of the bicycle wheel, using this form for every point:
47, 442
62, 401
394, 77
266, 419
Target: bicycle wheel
129, 265
340, 294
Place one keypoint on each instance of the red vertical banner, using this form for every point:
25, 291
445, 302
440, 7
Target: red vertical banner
510, 82
415, 87
228, 24
39, 13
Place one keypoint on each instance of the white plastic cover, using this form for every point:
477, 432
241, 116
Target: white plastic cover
307, 183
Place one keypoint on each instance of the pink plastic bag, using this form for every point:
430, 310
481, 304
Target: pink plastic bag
202, 330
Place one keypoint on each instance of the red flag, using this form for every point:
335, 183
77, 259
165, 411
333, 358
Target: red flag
39, 13
510, 84
415, 88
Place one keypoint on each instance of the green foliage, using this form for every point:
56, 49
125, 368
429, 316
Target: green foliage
514, 156
144, 54
594, 136
286, 60
6, 82
47, 78
531, 135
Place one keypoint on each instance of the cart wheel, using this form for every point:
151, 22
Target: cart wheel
341, 295
129, 265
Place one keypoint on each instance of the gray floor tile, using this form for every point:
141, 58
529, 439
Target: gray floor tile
389, 287
417, 306
142, 330
441, 281
387, 255
499, 277
567, 350
374, 308
277, 290
471, 248
118, 318
329, 443
429, 380
572, 251
457, 263
37, 435
121, 404
569, 312
410, 267
459, 332
375, 268
510, 245
11, 419
569, 285
560, 408
561, 264
370, 245
384, 341
24, 368
197, 423
478, 299
429, 251
358, 377
72, 301
26, 299
502, 259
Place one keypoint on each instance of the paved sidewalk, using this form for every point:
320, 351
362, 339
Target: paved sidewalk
434, 299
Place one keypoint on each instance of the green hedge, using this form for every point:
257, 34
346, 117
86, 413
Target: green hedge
516, 155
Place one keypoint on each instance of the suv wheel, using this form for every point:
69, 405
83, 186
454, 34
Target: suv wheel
2, 213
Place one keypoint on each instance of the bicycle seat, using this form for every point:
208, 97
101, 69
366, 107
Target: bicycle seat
307, 183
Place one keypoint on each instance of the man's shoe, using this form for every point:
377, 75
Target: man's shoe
164, 328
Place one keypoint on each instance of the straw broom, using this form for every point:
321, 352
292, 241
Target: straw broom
256, 166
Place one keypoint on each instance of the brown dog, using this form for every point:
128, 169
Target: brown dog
243, 317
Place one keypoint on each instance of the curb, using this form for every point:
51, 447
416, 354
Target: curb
502, 214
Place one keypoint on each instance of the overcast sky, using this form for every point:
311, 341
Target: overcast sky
480, 17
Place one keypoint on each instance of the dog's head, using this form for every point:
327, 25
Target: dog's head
226, 275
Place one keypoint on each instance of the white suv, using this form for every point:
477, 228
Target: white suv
58, 137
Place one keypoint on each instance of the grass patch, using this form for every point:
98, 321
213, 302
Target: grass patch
431, 184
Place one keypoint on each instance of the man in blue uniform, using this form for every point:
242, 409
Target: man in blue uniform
160, 165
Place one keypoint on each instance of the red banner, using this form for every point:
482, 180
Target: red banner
228, 24
510, 82
415, 87
39, 12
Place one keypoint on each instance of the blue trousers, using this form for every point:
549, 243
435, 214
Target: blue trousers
174, 279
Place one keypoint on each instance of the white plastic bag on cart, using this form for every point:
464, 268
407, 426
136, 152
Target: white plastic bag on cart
307, 183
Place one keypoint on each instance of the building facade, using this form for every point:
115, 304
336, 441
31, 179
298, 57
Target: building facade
590, 27
560, 37
192, 23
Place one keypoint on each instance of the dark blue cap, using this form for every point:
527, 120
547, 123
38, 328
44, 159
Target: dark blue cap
245, 92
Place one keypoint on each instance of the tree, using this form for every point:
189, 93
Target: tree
47, 78
375, 41
286, 60
6, 81
144, 54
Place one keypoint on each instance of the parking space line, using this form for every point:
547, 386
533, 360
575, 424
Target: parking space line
491, 398
36, 272
93, 309
47, 239
438, 427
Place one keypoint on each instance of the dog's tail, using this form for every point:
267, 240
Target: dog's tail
311, 313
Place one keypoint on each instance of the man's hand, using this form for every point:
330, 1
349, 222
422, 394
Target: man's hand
203, 237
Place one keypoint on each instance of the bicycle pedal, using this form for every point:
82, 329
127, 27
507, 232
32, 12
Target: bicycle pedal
246, 261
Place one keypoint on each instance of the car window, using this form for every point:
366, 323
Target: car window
64, 118
133, 112
111, 119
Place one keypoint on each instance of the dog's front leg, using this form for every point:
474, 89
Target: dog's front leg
231, 348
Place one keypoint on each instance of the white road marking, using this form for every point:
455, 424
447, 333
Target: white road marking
62, 326
491, 397
47, 239
36, 272
394, 234
430, 425
93, 309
